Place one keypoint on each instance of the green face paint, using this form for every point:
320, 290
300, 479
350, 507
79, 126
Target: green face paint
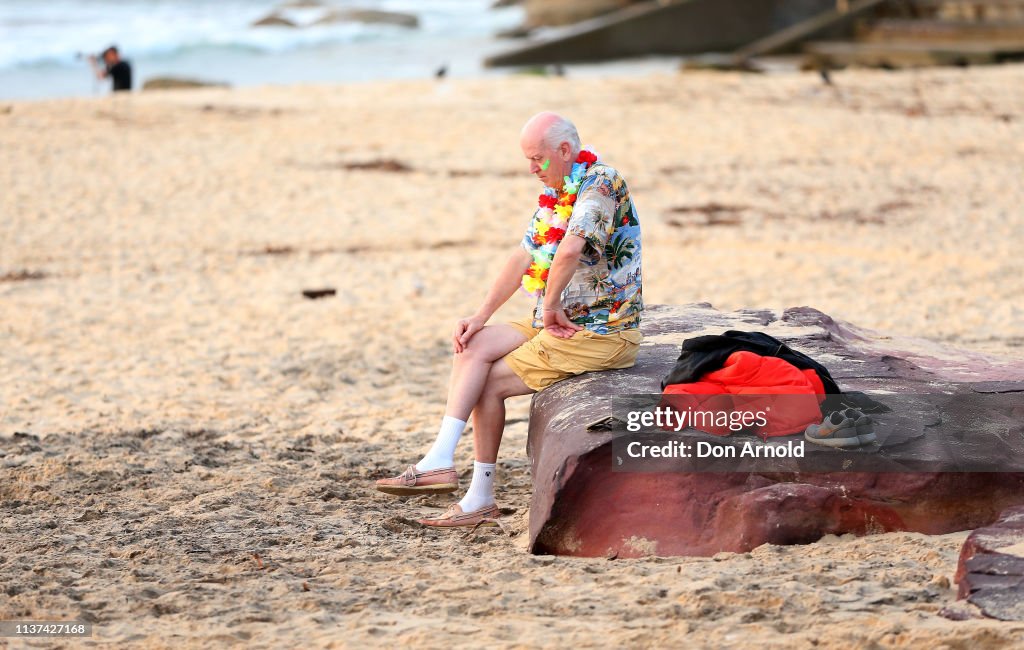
544, 167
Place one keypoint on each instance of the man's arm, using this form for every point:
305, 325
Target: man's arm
567, 259
101, 73
504, 286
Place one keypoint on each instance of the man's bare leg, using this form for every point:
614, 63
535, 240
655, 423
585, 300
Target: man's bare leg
470, 370
488, 427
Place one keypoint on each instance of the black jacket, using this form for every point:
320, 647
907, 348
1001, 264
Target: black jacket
703, 354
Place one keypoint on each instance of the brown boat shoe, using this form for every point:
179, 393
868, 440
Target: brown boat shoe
454, 517
413, 481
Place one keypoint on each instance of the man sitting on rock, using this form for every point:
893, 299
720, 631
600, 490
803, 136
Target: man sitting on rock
581, 259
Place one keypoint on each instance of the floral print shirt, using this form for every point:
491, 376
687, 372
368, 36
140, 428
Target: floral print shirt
605, 293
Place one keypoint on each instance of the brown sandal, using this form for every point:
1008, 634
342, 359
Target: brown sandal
412, 481
454, 517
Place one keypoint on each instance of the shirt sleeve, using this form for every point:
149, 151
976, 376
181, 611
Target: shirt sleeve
594, 212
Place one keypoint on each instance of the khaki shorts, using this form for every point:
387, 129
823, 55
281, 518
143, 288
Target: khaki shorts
545, 359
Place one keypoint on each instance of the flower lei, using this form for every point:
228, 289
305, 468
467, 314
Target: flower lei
550, 223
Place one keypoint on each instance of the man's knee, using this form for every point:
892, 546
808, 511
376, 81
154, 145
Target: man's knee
475, 354
502, 382
490, 344
493, 388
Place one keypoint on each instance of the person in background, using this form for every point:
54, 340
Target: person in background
115, 68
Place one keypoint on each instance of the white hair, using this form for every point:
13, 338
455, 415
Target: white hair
562, 130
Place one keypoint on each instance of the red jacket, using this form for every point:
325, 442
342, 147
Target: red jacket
751, 383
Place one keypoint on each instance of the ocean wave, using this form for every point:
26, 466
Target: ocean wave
256, 44
59, 34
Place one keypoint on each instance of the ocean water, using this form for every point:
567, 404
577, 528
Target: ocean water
43, 42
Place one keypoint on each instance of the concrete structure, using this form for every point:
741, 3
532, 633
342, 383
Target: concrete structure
683, 27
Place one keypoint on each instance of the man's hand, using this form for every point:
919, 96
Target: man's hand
557, 323
464, 330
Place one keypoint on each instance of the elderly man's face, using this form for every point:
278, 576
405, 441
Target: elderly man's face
547, 164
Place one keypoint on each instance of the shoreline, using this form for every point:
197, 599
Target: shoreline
76, 81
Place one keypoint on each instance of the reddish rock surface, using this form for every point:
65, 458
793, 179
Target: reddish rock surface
582, 507
991, 569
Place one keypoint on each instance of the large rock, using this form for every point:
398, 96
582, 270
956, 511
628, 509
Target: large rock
274, 20
369, 16
929, 400
991, 569
179, 83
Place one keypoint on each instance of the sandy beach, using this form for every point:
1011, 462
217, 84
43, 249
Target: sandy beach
188, 445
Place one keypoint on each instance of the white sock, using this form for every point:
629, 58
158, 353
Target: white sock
442, 453
481, 488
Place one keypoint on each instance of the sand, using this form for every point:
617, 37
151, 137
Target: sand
189, 444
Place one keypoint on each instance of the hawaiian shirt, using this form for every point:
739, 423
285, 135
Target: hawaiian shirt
605, 293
